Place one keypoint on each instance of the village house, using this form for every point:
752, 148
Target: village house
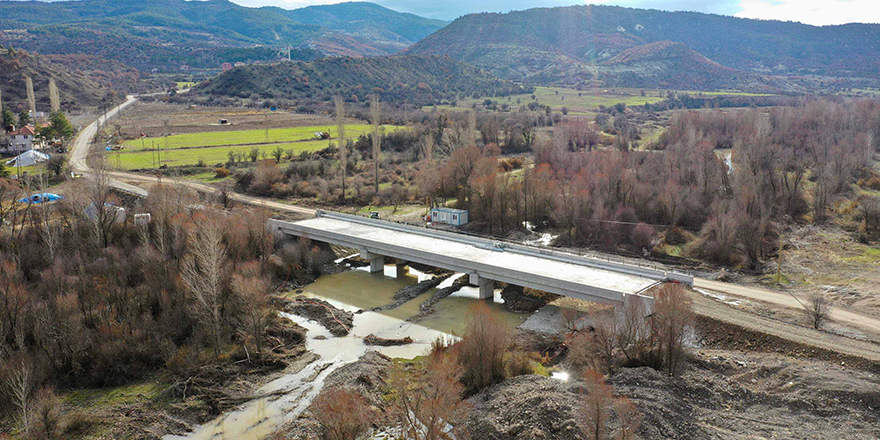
22, 139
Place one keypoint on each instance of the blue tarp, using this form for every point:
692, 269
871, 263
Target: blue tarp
41, 198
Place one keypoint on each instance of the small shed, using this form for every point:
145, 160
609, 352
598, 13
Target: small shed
449, 216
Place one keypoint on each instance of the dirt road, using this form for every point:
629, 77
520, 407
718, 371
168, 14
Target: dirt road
703, 305
722, 312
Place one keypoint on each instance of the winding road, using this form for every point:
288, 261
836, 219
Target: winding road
704, 306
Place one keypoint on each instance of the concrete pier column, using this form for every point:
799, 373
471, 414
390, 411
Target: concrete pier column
402, 270
377, 262
487, 288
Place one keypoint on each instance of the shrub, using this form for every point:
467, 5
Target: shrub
342, 413
221, 173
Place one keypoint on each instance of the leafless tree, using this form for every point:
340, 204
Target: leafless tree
817, 309
628, 417
202, 273
19, 380
428, 400
596, 405
251, 292
673, 316
483, 348
376, 113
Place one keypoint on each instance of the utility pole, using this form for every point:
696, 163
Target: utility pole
779, 260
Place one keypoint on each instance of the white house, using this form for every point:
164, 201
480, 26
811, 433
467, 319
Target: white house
22, 139
449, 216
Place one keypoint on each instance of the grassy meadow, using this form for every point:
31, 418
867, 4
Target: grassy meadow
214, 147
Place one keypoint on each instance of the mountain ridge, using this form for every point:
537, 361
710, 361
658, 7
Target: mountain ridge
593, 34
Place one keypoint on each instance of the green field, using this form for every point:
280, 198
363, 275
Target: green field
213, 147
241, 137
185, 84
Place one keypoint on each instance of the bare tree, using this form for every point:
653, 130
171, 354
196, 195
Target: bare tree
202, 273
343, 148
252, 294
596, 405
376, 110
817, 309
673, 316
19, 382
483, 348
628, 417
428, 400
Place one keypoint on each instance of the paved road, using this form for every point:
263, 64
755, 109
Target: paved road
703, 305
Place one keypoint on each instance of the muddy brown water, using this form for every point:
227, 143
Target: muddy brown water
290, 394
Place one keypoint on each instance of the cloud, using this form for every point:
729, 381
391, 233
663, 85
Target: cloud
816, 12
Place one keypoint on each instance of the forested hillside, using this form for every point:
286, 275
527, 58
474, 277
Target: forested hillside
421, 80
527, 44
166, 34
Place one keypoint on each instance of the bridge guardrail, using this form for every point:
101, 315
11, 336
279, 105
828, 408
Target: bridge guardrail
620, 264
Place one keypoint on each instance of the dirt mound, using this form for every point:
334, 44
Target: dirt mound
337, 321
723, 394
526, 407
367, 375
411, 292
385, 342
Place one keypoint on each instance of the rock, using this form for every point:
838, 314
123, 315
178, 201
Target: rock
410, 292
386, 342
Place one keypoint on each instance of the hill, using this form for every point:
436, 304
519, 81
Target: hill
419, 80
167, 34
532, 45
77, 88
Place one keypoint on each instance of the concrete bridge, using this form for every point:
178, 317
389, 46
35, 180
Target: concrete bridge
486, 261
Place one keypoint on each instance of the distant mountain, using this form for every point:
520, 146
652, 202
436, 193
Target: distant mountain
639, 47
386, 29
77, 86
170, 33
420, 80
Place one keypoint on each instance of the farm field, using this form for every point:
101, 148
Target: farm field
214, 147
246, 137
583, 102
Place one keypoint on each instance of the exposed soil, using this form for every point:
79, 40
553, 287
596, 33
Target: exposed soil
339, 322
723, 394
149, 118
367, 375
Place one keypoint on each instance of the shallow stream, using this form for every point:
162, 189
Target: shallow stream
289, 395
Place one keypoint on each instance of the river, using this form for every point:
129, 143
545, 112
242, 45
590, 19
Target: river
353, 290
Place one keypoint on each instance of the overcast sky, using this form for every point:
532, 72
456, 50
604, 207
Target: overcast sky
817, 12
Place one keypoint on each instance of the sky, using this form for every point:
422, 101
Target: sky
815, 12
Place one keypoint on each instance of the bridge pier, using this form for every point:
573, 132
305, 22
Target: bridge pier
401, 270
377, 262
487, 286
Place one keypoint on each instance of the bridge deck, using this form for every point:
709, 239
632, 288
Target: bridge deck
457, 254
